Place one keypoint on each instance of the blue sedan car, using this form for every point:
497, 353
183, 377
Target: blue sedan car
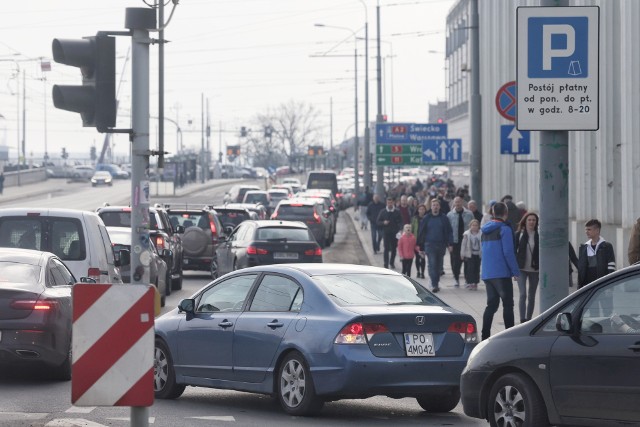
310, 333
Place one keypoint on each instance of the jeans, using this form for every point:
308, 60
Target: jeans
498, 289
420, 263
390, 246
435, 256
456, 261
364, 221
376, 236
526, 307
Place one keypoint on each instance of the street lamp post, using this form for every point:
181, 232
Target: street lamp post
356, 143
367, 142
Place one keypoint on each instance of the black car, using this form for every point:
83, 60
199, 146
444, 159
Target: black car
203, 232
578, 363
311, 211
35, 311
162, 233
267, 242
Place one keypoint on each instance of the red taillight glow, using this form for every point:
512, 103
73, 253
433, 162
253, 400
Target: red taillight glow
159, 241
32, 305
252, 250
212, 226
317, 217
274, 215
355, 333
313, 252
467, 330
338, 194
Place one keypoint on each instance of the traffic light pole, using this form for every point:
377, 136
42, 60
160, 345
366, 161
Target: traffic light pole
140, 21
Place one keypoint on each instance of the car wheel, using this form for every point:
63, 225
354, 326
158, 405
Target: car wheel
63, 372
176, 284
214, 268
515, 400
296, 392
442, 402
164, 376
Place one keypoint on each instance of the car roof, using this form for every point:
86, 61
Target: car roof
23, 256
308, 201
321, 269
227, 208
256, 192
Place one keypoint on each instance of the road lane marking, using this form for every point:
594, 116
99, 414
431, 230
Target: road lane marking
72, 422
14, 416
215, 418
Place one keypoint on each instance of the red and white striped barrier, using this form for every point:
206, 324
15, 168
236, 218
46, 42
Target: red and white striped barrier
112, 345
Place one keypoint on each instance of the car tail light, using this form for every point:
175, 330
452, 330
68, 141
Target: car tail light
274, 215
313, 252
317, 217
338, 194
161, 242
467, 331
94, 273
359, 333
212, 226
252, 250
38, 305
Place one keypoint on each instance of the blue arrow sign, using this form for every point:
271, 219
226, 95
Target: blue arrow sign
409, 133
442, 150
513, 141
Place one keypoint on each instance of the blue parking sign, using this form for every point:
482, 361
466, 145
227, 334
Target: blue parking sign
559, 47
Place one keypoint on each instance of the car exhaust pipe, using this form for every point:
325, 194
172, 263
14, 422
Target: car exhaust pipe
30, 354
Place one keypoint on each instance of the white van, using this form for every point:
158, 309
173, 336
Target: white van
78, 237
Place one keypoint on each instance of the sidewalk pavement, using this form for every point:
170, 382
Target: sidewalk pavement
470, 302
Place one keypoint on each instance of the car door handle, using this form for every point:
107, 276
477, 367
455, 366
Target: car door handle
635, 348
275, 324
225, 324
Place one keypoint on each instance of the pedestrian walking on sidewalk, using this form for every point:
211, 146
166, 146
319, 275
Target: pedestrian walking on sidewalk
527, 254
390, 222
406, 249
633, 251
363, 202
470, 252
1, 182
434, 237
499, 267
373, 210
459, 217
421, 211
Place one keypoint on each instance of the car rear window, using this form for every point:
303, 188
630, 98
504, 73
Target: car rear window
252, 198
123, 219
189, 219
374, 289
66, 239
301, 210
232, 217
281, 233
24, 276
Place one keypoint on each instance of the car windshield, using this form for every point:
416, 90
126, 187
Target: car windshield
374, 289
189, 219
279, 233
255, 197
18, 275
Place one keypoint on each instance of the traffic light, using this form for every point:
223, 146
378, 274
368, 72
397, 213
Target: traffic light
311, 152
95, 100
233, 150
92, 153
243, 131
64, 155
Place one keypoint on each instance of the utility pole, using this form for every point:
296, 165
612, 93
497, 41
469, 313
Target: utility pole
161, 87
331, 165
380, 169
202, 131
24, 117
475, 106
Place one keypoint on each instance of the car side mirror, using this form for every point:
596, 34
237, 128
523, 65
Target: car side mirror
187, 305
123, 257
332, 209
88, 280
166, 253
326, 213
563, 322
179, 229
228, 229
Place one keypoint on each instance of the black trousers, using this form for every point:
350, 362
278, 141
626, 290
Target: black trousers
456, 261
472, 269
406, 266
421, 263
390, 247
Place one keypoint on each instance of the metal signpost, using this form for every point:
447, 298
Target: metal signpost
557, 91
414, 144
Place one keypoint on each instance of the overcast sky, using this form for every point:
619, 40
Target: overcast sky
244, 56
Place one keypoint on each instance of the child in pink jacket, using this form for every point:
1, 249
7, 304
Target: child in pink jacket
406, 249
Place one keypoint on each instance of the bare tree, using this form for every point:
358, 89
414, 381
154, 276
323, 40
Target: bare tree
293, 127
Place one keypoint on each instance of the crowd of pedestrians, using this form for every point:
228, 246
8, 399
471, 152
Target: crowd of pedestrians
419, 224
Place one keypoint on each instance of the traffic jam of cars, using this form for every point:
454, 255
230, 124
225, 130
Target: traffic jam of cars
274, 319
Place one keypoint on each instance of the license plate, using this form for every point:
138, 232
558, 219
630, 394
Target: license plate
419, 345
285, 255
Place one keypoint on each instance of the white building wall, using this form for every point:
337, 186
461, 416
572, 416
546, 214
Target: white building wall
604, 165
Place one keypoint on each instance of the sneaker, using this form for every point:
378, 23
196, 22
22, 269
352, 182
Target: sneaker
457, 284
467, 286
474, 287
393, 266
435, 290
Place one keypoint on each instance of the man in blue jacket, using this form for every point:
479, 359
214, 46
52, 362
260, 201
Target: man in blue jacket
499, 266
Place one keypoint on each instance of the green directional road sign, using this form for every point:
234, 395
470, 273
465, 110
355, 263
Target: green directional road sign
399, 160
414, 149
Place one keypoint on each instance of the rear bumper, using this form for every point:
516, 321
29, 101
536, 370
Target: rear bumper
360, 374
31, 348
197, 263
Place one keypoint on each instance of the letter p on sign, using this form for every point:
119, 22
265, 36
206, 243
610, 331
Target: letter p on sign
548, 49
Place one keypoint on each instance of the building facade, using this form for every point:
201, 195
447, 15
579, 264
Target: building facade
604, 165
